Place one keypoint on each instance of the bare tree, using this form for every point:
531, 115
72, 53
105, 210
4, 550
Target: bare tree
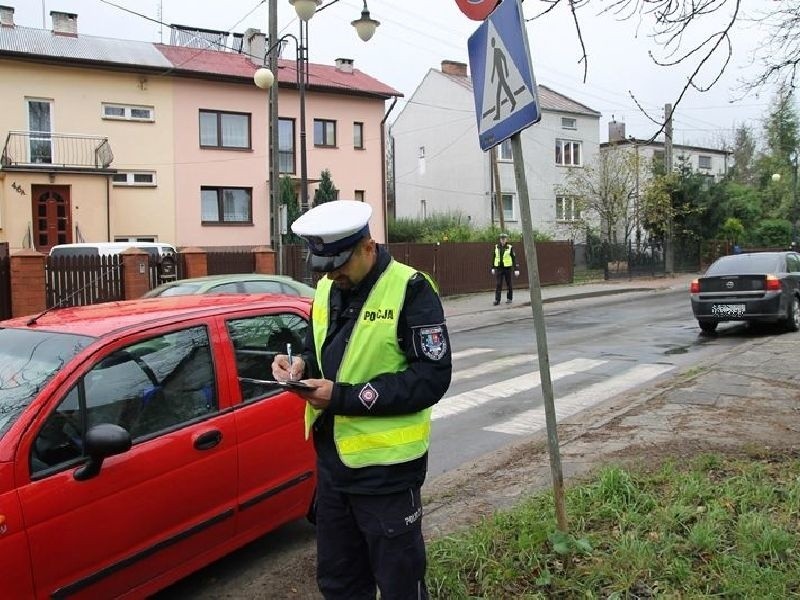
697, 35
606, 189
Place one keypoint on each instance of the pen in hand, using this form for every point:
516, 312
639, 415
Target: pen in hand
289, 353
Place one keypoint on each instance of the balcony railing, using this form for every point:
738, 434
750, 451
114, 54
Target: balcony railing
56, 150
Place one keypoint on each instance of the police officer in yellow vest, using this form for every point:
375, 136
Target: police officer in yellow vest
503, 262
378, 358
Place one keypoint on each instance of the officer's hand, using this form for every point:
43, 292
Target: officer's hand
494, 272
516, 273
282, 371
320, 396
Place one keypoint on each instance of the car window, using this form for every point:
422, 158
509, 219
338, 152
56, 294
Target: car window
148, 387
287, 289
744, 264
793, 263
28, 360
179, 289
262, 287
225, 288
256, 341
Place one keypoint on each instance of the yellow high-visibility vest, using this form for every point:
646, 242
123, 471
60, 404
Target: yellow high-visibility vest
372, 351
506, 258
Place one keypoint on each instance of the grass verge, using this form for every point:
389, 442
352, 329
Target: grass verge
717, 526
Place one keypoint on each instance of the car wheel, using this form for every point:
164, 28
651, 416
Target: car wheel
708, 326
793, 315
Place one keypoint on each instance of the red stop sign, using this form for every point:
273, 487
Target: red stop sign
477, 10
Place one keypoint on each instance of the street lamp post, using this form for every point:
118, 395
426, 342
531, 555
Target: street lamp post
266, 78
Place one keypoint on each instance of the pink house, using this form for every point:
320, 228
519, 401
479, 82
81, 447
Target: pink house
113, 140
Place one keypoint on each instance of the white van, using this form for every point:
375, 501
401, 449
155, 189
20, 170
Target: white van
156, 249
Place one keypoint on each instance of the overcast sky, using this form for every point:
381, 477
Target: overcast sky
416, 35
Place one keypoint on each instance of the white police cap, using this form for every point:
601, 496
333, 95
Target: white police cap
332, 230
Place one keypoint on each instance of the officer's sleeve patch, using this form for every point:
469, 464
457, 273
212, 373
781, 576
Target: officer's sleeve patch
368, 396
432, 342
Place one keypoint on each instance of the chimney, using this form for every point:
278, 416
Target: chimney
64, 23
452, 67
344, 65
616, 131
7, 16
255, 46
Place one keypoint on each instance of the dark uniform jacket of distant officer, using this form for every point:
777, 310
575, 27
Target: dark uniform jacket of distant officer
422, 336
504, 261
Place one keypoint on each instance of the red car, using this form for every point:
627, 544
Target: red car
141, 440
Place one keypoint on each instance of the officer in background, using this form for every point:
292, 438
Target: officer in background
378, 358
503, 262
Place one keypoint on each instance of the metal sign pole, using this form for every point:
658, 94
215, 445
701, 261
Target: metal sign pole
541, 334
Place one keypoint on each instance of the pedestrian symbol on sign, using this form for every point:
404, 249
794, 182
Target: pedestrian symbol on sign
504, 90
500, 68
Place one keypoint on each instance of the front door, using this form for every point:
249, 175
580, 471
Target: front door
52, 223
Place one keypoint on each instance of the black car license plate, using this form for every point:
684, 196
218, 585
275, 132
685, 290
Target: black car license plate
727, 310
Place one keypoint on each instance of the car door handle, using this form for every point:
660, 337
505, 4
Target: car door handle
207, 440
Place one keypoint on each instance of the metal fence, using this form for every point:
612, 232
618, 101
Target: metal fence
5, 281
460, 267
82, 280
227, 263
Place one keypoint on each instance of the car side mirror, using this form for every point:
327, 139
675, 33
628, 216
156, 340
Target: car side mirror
102, 441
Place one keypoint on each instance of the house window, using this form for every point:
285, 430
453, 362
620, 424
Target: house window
569, 123
704, 162
134, 178
359, 195
226, 205
224, 130
358, 135
568, 153
505, 150
40, 125
508, 206
567, 208
422, 152
128, 112
324, 132
286, 156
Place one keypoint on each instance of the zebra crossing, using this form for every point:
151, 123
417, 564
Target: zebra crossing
527, 380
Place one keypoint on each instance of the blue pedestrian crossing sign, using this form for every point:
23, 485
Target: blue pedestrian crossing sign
506, 99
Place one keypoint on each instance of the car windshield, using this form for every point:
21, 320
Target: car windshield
180, 289
746, 264
28, 360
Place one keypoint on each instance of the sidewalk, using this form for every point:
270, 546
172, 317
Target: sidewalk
471, 311
741, 401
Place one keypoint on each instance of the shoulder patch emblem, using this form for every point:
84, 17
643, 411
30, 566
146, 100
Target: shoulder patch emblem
433, 342
368, 396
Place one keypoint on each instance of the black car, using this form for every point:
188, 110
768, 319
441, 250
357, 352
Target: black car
758, 287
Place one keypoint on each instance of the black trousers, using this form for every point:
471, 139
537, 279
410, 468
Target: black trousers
503, 273
366, 543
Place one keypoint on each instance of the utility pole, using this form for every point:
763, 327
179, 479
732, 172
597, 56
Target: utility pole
274, 164
669, 260
498, 194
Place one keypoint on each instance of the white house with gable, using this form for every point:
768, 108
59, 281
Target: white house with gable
439, 167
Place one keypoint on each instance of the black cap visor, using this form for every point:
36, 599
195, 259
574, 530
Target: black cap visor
326, 264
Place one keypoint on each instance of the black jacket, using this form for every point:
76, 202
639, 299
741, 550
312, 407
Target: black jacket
421, 385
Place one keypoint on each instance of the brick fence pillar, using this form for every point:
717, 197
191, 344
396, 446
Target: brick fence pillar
28, 286
196, 262
264, 260
135, 272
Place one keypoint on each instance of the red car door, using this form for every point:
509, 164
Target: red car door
277, 474
155, 512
